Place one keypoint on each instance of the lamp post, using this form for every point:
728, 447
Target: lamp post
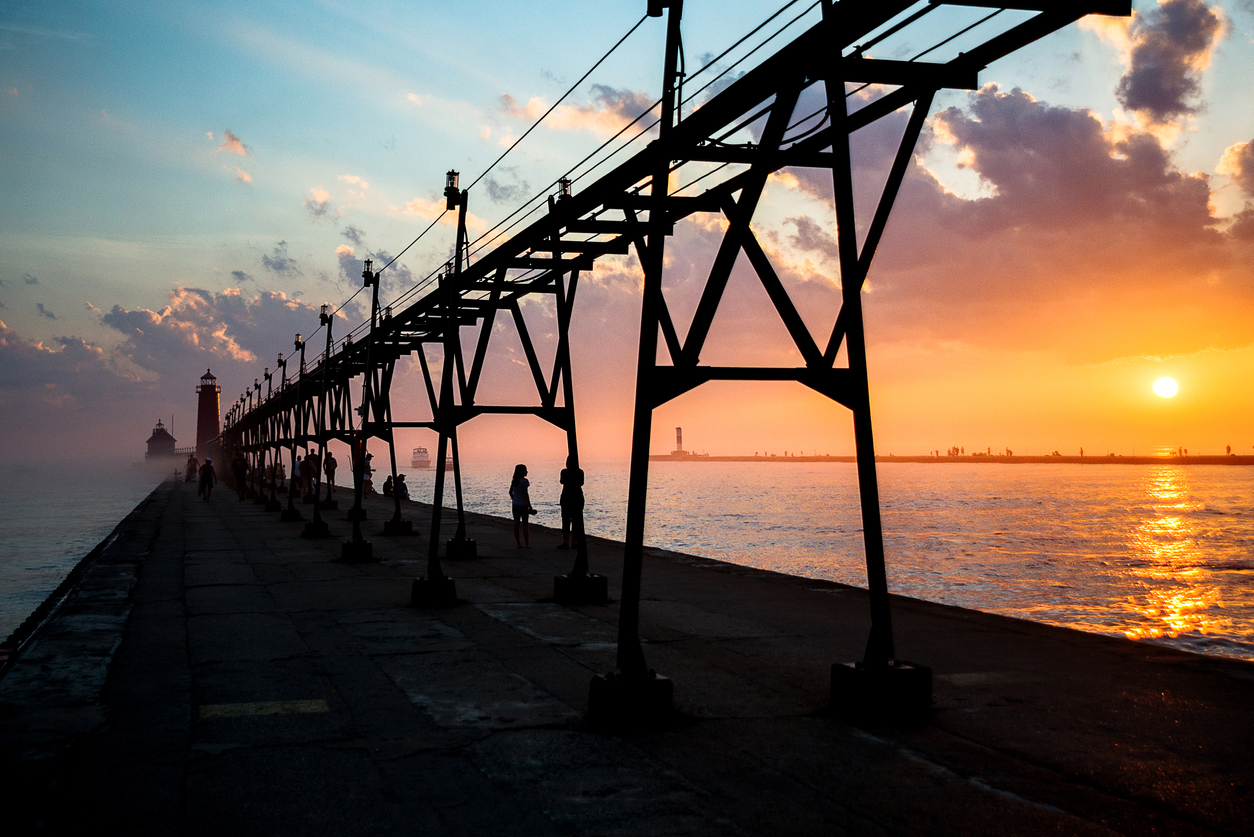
259, 456
292, 514
273, 505
317, 527
359, 549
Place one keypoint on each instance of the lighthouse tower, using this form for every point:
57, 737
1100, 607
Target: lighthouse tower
208, 412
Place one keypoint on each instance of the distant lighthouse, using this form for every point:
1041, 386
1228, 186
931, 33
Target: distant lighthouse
208, 412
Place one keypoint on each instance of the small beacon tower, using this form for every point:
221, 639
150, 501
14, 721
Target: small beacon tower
208, 412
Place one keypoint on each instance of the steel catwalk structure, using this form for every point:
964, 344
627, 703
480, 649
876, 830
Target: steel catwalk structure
738, 138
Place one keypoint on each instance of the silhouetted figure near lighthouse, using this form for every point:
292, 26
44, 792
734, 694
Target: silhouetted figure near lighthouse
207, 479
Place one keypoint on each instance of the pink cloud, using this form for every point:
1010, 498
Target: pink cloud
232, 144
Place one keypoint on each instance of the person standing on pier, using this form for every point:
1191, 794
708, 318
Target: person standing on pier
521, 502
239, 469
193, 467
312, 471
571, 502
207, 479
330, 468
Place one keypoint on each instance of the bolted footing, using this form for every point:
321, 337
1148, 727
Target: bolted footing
433, 592
621, 702
465, 548
398, 527
580, 589
896, 692
292, 516
328, 505
353, 514
273, 505
315, 529
357, 552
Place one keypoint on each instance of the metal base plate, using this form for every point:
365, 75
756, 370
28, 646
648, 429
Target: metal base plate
895, 693
630, 703
467, 548
580, 589
315, 529
439, 592
398, 527
357, 552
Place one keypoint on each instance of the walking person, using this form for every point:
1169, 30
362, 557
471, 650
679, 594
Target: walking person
239, 469
207, 479
193, 468
521, 501
330, 465
313, 470
571, 502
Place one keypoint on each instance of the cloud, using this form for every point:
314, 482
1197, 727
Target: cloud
232, 144
352, 234
607, 111
29, 280
243, 176
51, 373
319, 205
200, 327
813, 238
1238, 163
93, 309
240, 276
1170, 47
354, 180
280, 262
44, 312
504, 192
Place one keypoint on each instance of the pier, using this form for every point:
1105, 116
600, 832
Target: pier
210, 672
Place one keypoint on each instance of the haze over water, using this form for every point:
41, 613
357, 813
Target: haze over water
1163, 553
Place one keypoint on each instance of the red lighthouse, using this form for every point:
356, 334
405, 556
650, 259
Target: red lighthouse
208, 412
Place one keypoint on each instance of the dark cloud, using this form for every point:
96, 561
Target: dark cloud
811, 237
280, 263
30, 280
1056, 167
352, 234
201, 328
240, 276
505, 192
71, 367
395, 279
626, 103
319, 205
1170, 46
44, 312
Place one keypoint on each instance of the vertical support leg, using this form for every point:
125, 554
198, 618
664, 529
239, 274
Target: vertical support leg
635, 694
435, 588
459, 546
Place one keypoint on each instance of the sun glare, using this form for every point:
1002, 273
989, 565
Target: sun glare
1166, 387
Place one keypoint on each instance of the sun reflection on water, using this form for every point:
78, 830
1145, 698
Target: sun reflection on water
1175, 597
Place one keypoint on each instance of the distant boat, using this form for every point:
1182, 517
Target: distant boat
448, 463
421, 459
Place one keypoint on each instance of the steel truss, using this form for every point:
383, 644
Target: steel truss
632, 208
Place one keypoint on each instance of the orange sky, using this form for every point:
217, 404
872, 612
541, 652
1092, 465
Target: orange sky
1077, 228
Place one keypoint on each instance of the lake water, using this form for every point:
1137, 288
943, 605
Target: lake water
1161, 553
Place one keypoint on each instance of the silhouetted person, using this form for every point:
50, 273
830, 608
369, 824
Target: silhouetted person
313, 470
401, 489
239, 469
193, 467
571, 502
387, 486
520, 501
1229, 450
207, 479
330, 466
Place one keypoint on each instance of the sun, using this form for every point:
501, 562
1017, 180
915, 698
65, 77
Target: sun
1166, 387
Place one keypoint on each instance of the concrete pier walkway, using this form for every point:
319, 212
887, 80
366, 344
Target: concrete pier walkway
215, 674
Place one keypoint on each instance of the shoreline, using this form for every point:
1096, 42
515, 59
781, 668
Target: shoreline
994, 459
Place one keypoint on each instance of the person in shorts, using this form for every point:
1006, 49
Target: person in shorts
520, 498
